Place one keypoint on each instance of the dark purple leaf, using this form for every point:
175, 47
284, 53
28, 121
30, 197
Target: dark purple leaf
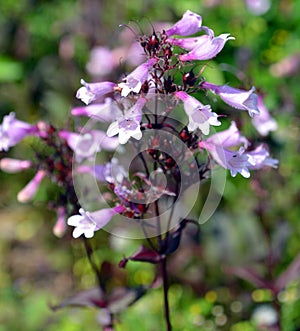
89, 298
248, 274
143, 254
121, 297
291, 273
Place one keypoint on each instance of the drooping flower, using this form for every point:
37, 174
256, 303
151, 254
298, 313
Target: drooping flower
236, 98
28, 192
87, 223
261, 158
128, 125
263, 122
235, 161
87, 144
92, 91
135, 80
14, 165
207, 49
200, 116
12, 131
189, 24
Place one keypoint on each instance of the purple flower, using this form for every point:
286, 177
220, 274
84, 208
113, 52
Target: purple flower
258, 7
236, 98
128, 125
86, 145
207, 49
135, 80
13, 131
114, 173
87, 223
98, 171
104, 112
230, 138
190, 23
261, 158
235, 161
13, 165
263, 122
92, 91
200, 116
28, 192
189, 43
101, 62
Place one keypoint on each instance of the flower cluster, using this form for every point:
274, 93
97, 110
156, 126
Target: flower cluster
167, 75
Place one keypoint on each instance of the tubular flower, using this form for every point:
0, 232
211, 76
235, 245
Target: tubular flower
28, 192
128, 125
12, 131
104, 112
60, 226
236, 98
230, 138
263, 122
87, 223
92, 91
13, 165
189, 43
207, 49
235, 161
85, 145
190, 23
135, 80
200, 116
261, 158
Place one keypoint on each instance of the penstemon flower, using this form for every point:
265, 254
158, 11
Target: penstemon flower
12, 131
200, 116
92, 91
263, 122
207, 49
236, 98
190, 23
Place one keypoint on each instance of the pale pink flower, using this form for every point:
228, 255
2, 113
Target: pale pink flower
263, 122
14, 165
261, 158
92, 91
190, 23
128, 125
60, 226
200, 116
207, 49
28, 192
135, 80
230, 138
12, 131
236, 98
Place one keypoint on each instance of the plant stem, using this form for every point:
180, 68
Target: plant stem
165, 289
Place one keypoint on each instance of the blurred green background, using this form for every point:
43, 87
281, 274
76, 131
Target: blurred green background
45, 46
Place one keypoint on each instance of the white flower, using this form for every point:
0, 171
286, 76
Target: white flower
87, 223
